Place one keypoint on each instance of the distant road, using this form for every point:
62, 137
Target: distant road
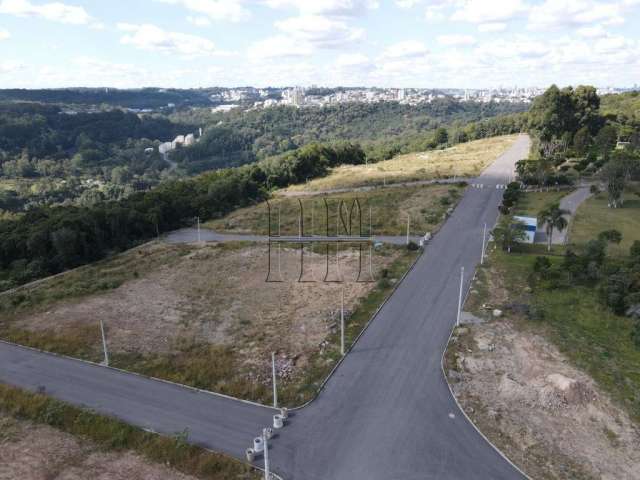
190, 235
386, 413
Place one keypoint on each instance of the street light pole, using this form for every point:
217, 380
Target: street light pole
408, 224
267, 474
342, 324
198, 219
273, 374
460, 297
484, 239
104, 345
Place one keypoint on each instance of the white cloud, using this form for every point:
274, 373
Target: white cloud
492, 27
404, 50
407, 3
456, 40
339, 8
320, 31
153, 38
54, 11
199, 21
10, 67
4, 34
592, 32
353, 60
231, 10
488, 11
562, 13
279, 46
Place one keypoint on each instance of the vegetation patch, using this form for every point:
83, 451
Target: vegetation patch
462, 160
108, 434
389, 208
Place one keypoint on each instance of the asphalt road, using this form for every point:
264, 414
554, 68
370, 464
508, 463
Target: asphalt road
385, 414
190, 235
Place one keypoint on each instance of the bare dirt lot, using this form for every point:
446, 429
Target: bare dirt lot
202, 314
547, 416
36, 452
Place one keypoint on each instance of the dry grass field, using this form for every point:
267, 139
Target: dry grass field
30, 451
426, 205
463, 160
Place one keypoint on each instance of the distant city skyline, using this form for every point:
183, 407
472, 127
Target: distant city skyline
473, 44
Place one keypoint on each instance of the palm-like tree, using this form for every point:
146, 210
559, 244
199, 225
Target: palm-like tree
553, 218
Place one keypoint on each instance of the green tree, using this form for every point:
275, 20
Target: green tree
582, 141
509, 232
553, 218
614, 175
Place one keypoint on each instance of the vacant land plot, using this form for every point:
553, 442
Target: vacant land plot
594, 216
465, 159
37, 452
389, 208
204, 315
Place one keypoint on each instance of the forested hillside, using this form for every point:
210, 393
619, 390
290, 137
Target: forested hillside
383, 129
47, 240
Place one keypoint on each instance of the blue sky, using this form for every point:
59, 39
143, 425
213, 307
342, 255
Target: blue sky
392, 43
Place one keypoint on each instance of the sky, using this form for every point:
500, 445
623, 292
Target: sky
384, 43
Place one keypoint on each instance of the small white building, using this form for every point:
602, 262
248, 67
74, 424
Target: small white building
530, 226
179, 140
189, 139
165, 147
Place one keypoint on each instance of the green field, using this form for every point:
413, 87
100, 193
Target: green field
533, 203
594, 216
573, 318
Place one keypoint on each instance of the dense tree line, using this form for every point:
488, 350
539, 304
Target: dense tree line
48, 240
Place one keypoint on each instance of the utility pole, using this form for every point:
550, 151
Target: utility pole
408, 223
198, 219
342, 324
338, 260
267, 474
370, 227
275, 386
104, 345
460, 297
484, 239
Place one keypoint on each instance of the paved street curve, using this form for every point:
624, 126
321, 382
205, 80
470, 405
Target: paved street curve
386, 413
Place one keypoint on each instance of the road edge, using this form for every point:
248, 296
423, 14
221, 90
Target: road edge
455, 399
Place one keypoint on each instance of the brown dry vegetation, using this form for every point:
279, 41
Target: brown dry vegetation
465, 159
426, 205
30, 451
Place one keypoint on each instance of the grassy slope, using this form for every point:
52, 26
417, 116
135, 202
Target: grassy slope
596, 340
466, 159
534, 202
389, 208
594, 216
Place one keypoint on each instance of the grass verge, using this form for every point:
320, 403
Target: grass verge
112, 434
